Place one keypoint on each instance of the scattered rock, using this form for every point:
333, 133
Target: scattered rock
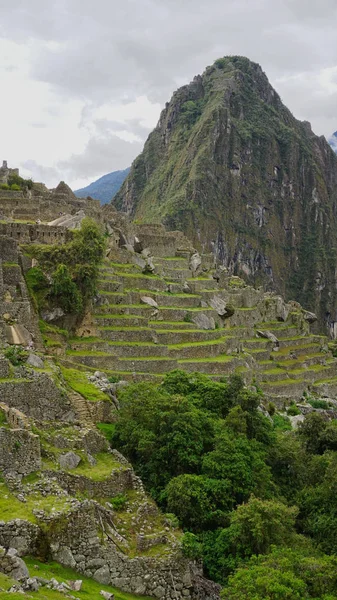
195, 262
52, 315
70, 460
102, 575
35, 361
269, 336
310, 317
149, 301
75, 585
107, 595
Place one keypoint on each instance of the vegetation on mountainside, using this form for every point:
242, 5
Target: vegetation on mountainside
223, 166
253, 497
66, 276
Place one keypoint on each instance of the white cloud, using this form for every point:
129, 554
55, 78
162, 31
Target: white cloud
83, 82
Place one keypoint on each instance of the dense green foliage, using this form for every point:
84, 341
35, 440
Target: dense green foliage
66, 275
257, 501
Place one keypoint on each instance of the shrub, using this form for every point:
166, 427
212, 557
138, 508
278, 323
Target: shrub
318, 403
191, 547
293, 410
119, 502
16, 355
65, 291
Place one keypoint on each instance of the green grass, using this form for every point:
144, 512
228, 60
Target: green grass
90, 589
78, 381
102, 470
10, 264
12, 508
197, 344
108, 430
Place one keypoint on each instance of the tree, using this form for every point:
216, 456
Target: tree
254, 528
241, 462
199, 502
65, 291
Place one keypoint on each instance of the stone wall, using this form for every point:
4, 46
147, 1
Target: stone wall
38, 398
76, 542
120, 481
45, 207
15, 418
21, 535
19, 451
26, 233
12, 565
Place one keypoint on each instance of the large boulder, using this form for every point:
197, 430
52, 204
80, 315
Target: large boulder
202, 321
195, 262
149, 301
70, 460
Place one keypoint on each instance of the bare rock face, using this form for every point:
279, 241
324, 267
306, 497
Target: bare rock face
203, 321
222, 308
223, 214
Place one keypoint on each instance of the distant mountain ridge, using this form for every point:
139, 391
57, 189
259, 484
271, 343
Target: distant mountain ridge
333, 141
105, 188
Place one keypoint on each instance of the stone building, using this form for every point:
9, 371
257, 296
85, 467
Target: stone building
5, 172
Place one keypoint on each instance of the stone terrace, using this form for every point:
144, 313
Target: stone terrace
180, 329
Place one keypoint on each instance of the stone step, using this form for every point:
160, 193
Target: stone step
112, 297
222, 366
296, 350
259, 354
140, 282
187, 336
110, 320
172, 263
279, 332
175, 274
301, 362
168, 300
96, 360
291, 389
128, 334
153, 364
258, 344
199, 284
171, 325
183, 253
107, 285
138, 310
199, 349
138, 350
272, 375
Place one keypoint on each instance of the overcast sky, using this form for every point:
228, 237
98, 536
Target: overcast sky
83, 82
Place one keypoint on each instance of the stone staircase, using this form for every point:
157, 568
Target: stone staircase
136, 341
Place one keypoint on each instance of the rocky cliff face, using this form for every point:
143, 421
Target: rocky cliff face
230, 166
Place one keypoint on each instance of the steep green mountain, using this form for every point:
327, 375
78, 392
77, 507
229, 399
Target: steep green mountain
230, 166
104, 188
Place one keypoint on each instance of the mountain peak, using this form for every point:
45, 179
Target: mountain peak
230, 165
